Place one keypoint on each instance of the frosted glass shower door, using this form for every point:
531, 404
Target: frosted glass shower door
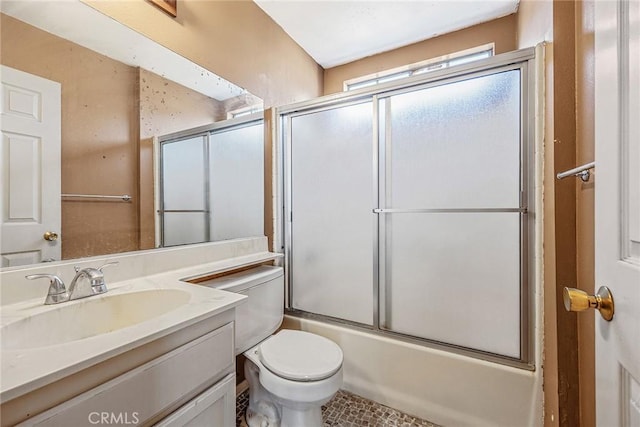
331, 198
451, 214
237, 182
184, 204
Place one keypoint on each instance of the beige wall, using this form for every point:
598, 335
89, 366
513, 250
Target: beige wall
501, 31
167, 107
99, 128
234, 39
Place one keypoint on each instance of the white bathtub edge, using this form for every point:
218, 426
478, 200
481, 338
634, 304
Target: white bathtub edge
442, 387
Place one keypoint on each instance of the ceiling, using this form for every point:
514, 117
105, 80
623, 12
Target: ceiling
335, 32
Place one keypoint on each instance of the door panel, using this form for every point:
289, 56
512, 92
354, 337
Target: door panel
452, 213
236, 182
459, 143
332, 201
184, 206
444, 270
184, 228
183, 174
617, 129
30, 161
24, 184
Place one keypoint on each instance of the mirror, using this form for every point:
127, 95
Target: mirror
120, 93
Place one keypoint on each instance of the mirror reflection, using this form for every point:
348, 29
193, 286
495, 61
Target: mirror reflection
211, 183
80, 124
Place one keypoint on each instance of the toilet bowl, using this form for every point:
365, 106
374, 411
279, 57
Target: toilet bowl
291, 374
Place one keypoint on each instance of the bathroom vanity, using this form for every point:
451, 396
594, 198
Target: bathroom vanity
152, 350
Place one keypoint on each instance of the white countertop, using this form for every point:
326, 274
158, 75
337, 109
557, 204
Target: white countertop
26, 369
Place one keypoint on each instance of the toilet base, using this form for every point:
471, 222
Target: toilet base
266, 417
295, 418
262, 415
267, 409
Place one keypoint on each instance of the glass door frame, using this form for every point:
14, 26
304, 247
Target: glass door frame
201, 131
524, 60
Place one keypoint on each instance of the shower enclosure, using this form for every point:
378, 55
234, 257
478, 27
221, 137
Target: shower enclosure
408, 209
211, 183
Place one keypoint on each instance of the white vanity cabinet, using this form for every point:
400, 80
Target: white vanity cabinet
214, 407
166, 360
193, 384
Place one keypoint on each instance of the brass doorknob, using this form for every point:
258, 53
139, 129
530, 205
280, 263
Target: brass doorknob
50, 236
579, 300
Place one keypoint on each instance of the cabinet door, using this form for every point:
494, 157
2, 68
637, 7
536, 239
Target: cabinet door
214, 407
144, 393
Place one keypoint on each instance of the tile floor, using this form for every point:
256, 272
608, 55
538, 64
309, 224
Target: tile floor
349, 410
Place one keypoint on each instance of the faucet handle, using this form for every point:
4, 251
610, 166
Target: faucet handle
57, 291
77, 269
108, 264
96, 275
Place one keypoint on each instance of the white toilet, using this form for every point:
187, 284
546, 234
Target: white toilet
291, 374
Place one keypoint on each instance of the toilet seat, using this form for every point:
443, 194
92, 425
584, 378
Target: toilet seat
300, 356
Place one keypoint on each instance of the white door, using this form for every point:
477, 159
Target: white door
30, 174
617, 234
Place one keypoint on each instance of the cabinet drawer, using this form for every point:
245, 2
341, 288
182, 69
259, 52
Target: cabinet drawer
147, 390
216, 406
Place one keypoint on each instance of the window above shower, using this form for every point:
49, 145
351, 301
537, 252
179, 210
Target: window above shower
426, 66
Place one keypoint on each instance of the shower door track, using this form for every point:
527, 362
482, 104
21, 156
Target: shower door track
411, 339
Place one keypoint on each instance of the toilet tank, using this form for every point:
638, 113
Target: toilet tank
262, 313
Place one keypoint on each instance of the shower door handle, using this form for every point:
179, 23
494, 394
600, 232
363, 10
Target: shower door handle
449, 210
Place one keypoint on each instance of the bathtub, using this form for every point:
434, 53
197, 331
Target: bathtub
439, 386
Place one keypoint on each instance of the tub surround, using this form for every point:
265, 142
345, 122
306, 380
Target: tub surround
27, 369
439, 386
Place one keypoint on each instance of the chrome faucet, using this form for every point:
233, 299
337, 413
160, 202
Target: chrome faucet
87, 282
57, 292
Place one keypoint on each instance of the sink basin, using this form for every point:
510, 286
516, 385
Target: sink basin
85, 318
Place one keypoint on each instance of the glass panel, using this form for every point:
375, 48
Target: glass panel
455, 278
181, 228
237, 182
458, 143
470, 58
332, 202
183, 174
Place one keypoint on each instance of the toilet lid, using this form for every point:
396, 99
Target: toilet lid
300, 356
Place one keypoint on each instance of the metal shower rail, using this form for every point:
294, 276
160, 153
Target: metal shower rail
124, 197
